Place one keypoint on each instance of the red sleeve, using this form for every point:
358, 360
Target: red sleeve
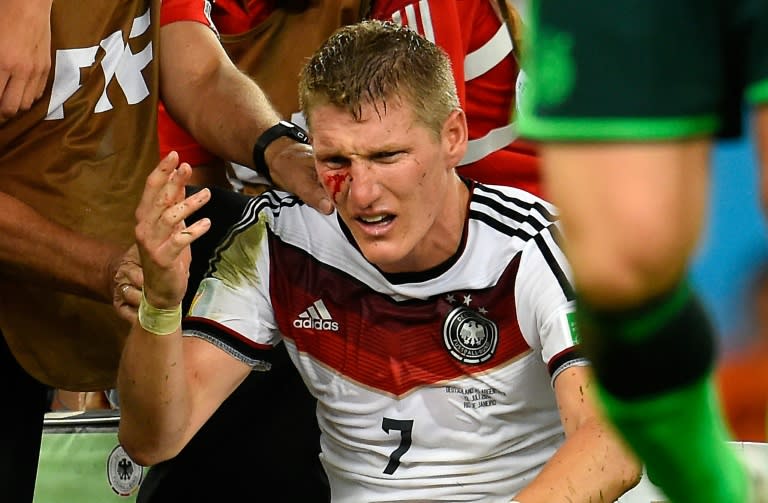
232, 17
186, 10
173, 137
436, 20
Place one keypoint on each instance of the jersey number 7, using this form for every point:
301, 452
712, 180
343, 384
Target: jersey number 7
405, 426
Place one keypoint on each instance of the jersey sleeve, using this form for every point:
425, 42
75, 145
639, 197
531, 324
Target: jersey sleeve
546, 302
173, 137
186, 10
232, 307
436, 20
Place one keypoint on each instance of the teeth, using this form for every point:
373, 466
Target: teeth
372, 220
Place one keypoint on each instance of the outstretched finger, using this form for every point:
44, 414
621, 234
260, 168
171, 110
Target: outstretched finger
179, 240
155, 233
173, 192
156, 182
173, 219
174, 216
11, 103
184, 237
42, 80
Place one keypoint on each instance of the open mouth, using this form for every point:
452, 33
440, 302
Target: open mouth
375, 224
377, 219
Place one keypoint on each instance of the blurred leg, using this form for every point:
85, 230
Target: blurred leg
632, 215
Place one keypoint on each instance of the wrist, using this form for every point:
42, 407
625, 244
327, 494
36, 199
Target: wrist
272, 151
279, 134
156, 320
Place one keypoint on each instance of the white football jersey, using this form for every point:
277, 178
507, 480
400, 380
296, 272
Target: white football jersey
432, 385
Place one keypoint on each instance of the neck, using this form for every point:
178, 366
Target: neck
451, 225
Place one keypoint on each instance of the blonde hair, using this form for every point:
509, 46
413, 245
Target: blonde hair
373, 62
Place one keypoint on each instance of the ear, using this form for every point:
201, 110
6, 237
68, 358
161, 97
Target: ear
455, 136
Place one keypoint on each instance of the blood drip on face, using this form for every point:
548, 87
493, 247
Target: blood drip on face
333, 183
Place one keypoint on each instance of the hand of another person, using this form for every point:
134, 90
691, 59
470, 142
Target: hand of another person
25, 54
162, 237
293, 169
127, 283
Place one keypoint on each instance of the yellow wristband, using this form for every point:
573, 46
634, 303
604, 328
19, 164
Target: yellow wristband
158, 321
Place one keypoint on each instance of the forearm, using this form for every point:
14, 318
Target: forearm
234, 115
591, 465
154, 400
227, 112
37, 250
219, 105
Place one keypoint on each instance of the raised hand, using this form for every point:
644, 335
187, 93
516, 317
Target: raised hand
162, 237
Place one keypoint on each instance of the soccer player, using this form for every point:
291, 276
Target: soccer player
625, 98
429, 315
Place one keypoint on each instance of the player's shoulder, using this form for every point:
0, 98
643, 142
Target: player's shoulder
285, 213
511, 206
273, 205
501, 214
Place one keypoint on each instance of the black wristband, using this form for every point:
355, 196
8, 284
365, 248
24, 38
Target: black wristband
282, 128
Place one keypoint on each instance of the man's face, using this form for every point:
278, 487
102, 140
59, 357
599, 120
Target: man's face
392, 182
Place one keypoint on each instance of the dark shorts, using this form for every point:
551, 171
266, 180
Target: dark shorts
643, 69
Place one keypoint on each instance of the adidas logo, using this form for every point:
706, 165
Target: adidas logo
316, 316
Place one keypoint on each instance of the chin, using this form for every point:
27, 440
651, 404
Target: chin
387, 260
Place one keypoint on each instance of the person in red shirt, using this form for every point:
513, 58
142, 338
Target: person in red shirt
481, 37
